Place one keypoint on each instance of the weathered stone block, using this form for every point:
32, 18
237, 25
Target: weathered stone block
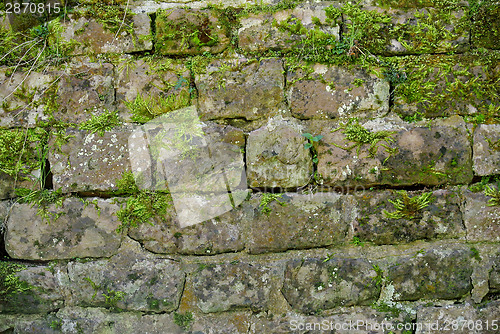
481, 220
442, 217
45, 291
333, 92
189, 31
486, 149
83, 229
494, 278
84, 88
275, 31
128, 281
92, 36
315, 284
441, 273
485, 30
151, 82
276, 156
295, 221
238, 89
229, 286
89, 161
404, 154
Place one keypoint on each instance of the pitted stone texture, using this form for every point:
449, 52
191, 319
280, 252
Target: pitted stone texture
89, 161
189, 32
228, 286
92, 37
494, 277
208, 238
147, 283
414, 29
85, 88
299, 222
486, 149
441, 219
240, 89
440, 273
45, 294
23, 97
224, 323
460, 319
431, 154
85, 229
259, 32
276, 157
315, 283
333, 92
150, 79
482, 221
485, 30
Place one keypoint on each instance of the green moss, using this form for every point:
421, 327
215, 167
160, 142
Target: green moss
475, 253
42, 199
112, 14
10, 284
494, 193
408, 207
485, 30
183, 320
144, 109
101, 123
268, 198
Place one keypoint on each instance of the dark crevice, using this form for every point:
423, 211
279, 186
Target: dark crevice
47, 176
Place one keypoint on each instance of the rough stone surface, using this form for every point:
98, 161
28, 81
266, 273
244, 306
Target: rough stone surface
238, 89
482, 221
83, 230
441, 219
333, 92
182, 31
494, 279
276, 157
317, 284
46, 292
145, 282
89, 161
229, 286
437, 273
83, 90
260, 32
460, 319
487, 149
428, 155
92, 37
299, 222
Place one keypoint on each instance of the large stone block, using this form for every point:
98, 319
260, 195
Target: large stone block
482, 221
441, 273
295, 221
189, 32
83, 229
440, 219
486, 149
278, 30
315, 284
276, 156
90, 162
230, 286
332, 92
240, 89
95, 36
128, 281
387, 152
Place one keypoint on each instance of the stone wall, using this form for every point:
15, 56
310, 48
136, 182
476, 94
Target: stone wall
370, 138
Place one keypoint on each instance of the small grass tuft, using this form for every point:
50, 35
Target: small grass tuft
494, 193
408, 207
102, 122
268, 198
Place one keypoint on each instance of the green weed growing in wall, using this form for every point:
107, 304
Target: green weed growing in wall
144, 109
312, 143
10, 284
183, 320
268, 198
494, 193
101, 123
408, 207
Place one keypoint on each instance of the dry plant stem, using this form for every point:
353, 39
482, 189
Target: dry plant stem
123, 22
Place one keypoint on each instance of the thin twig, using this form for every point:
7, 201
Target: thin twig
123, 22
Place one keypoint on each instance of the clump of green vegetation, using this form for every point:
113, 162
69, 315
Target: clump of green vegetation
183, 320
101, 123
268, 198
112, 14
485, 180
144, 109
494, 193
312, 144
408, 207
356, 241
42, 199
379, 279
356, 133
475, 253
112, 297
10, 284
